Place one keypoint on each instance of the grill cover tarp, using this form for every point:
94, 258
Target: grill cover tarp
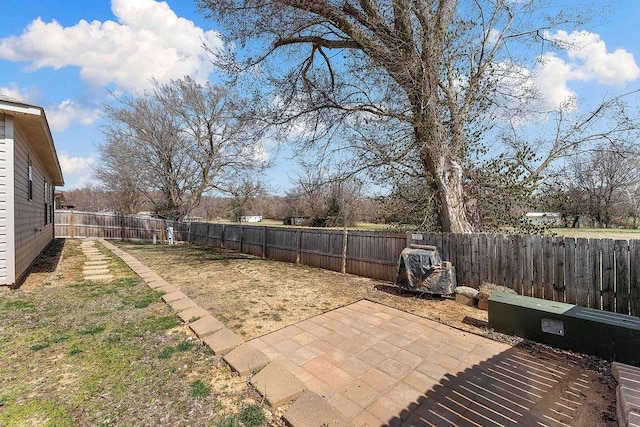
415, 265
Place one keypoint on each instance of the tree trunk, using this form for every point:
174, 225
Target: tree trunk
438, 147
448, 179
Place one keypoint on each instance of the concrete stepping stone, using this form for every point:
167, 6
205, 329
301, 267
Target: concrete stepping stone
246, 359
173, 296
276, 384
95, 272
205, 326
182, 304
223, 341
311, 409
95, 267
193, 312
87, 263
99, 277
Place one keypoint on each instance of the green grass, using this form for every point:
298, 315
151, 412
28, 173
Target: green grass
598, 233
92, 330
35, 412
166, 353
185, 345
163, 323
37, 347
200, 389
250, 416
18, 305
88, 353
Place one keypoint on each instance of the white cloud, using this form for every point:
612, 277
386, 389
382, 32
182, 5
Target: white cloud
68, 111
77, 171
551, 78
257, 153
591, 61
12, 91
148, 40
587, 60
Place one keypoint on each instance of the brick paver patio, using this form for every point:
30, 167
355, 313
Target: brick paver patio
382, 366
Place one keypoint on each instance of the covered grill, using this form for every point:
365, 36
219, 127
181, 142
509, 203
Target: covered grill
421, 269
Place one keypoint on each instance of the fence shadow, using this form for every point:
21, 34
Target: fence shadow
511, 388
406, 293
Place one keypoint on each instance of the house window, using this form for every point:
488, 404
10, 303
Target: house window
52, 200
46, 204
30, 175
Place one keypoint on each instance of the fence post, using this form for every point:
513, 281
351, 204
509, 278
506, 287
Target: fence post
298, 244
264, 242
122, 232
71, 226
343, 269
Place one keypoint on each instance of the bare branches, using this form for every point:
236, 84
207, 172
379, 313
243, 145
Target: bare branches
436, 70
176, 142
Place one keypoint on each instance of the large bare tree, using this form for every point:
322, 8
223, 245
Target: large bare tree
177, 141
410, 85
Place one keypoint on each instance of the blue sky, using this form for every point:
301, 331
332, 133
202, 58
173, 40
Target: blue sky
67, 55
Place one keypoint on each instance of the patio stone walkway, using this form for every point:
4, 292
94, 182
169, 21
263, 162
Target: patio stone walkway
96, 266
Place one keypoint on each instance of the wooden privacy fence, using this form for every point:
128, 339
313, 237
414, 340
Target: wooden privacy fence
116, 226
371, 255
596, 273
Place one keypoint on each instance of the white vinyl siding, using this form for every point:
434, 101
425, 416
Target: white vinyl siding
31, 233
4, 209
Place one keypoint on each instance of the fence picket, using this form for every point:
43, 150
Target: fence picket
595, 251
548, 267
634, 277
558, 277
538, 266
621, 253
608, 278
527, 266
583, 272
570, 295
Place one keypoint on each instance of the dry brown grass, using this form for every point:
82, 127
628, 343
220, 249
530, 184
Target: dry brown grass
253, 296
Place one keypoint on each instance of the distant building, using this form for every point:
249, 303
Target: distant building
29, 173
251, 218
297, 220
545, 218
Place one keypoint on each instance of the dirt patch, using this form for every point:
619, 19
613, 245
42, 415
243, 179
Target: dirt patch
253, 296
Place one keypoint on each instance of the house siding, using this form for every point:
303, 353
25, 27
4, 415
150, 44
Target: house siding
31, 233
4, 209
